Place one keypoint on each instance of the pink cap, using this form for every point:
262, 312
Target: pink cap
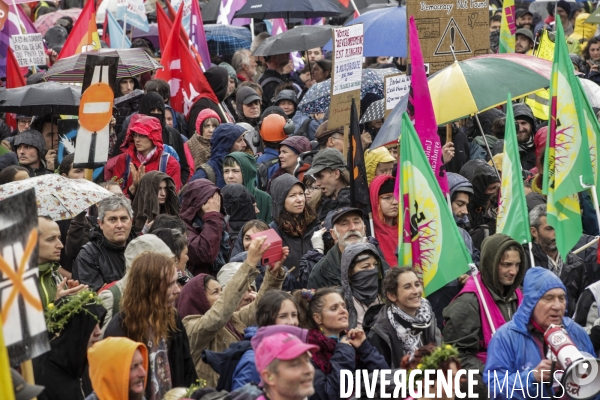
280, 346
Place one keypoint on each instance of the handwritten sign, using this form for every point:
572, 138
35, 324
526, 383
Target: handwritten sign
396, 87
28, 49
348, 45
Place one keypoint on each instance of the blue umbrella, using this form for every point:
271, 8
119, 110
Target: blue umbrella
227, 39
384, 30
390, 130
317, 98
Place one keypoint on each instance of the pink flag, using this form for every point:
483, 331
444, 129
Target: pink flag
421, 112
197, 34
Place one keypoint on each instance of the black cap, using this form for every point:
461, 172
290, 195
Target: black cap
522, 11
344, 211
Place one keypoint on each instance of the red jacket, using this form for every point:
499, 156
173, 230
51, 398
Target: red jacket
117, 166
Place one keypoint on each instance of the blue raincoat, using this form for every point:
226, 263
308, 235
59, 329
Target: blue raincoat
513, 350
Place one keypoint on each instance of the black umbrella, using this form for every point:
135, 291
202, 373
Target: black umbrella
41, 98
210, 10
301, 38
265, 9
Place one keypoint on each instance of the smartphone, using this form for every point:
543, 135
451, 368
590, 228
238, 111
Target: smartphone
275, 251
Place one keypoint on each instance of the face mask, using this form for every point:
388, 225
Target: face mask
365, 286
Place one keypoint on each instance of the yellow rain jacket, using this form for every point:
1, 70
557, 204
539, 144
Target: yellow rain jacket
373, 158
580, 31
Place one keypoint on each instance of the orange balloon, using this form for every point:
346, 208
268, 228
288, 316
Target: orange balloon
95, 107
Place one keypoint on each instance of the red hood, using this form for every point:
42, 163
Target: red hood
143, 125
386, 235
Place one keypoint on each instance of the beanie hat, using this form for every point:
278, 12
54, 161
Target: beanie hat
298, 144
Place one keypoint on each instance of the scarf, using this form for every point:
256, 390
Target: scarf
528, 145
144, 159
411, 338
200, 148
556, 266
365, 285
326, 345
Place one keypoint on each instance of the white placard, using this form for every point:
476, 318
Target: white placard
348, 56
28, 49
396, 86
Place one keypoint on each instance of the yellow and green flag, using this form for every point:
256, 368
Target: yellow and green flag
508, 27
540, 100
567, 163
429, 238
593, 134
513, 218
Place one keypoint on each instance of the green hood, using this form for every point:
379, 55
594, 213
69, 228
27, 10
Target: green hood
492, 249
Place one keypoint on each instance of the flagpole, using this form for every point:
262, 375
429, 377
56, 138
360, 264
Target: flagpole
18, 17
252, 27
485, 307
124, 29
355, 8
531, 259
487, 146
595, 200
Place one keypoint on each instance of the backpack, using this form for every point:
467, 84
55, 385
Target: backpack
116, 293
210, 173
269, 80
263, 172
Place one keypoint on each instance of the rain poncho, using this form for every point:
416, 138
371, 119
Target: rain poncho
581, 30
387, 235
514, 352
145, 203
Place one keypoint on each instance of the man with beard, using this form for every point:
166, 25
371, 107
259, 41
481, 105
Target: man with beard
273, 76
526, 130
348, 228
524, 19
523, 41
329, 169
571, 272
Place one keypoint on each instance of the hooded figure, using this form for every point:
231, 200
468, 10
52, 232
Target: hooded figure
209, 245
146, 205
62, 369
361, 289
298, 145
221, 144
246, 95
33, 138
239, 205
249, 169
466, 325
197, 149
218, 79
216, 327
295, 230
387, 235
152, 101
518, 346
156, 160
373, 158
110, 365
526, 149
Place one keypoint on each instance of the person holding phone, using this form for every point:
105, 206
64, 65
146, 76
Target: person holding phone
209, 312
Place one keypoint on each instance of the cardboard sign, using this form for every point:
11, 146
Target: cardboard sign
346, 75
347, 56
28, 49
460, 26
95, 111
24, 327
396, 87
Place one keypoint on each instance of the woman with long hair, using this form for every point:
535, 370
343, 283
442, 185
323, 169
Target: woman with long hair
148, 316
209, 311
275, 308
407, 321
294, 221
155, 195
325, 314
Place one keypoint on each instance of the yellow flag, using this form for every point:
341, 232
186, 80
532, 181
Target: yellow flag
6, 386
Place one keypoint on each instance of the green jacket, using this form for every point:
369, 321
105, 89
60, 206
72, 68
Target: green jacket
249, 169
49, 278
462, 322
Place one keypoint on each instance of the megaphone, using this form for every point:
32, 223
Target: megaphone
580, 379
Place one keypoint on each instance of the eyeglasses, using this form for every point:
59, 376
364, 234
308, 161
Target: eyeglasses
310, 189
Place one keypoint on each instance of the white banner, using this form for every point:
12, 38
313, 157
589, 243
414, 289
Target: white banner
28, 49
396, 86
348, 55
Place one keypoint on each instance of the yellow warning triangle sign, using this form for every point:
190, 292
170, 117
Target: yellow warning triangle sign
452, 37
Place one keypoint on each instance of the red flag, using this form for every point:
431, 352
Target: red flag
165, 24
182, 72
172, 12
345, 3
105, 35
84, 35
14, 79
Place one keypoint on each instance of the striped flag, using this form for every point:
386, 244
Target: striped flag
84, 35
567, 163
513, 218
508, 27
429, 238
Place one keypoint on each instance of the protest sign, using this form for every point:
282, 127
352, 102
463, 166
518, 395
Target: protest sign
133, 12
460, 27
396, 87
346, 74
28, 49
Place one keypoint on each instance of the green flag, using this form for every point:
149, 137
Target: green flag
513, 218
430, 240
567, 162
593, 135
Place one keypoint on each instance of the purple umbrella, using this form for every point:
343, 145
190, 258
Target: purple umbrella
151, 35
